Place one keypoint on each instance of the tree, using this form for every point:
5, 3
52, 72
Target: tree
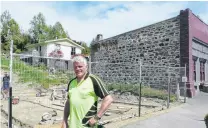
27, 39
14, 34
39, 30
5, 18
57, 31
85, 51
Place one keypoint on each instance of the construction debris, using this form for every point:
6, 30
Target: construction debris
48, 115
15, 100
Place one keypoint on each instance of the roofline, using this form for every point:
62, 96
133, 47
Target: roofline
198, 17
134, 30
57, 40
65, 39
100, 41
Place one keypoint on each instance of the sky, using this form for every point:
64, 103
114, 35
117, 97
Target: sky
84, 20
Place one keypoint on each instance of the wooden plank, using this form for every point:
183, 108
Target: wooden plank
48, 126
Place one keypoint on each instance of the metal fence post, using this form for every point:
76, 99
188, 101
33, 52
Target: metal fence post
140, 84
10, 86
168, 101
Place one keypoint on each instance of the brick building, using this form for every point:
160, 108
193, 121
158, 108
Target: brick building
173, 42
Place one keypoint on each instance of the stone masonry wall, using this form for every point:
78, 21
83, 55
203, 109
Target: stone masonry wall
156, 45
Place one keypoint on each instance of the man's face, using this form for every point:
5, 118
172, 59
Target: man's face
80, 69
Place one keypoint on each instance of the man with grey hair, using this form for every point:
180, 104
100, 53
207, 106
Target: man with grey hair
83, 93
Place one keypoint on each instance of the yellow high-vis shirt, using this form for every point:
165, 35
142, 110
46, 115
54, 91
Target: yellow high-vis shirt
83, 100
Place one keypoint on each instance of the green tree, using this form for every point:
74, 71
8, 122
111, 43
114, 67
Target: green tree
39, 30
26, 40
11, 26
85, 51
5, 18
15, 35
57, 31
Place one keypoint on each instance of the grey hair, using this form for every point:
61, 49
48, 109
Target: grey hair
79, 59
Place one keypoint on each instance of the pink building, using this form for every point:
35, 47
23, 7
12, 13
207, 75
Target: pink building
194, 50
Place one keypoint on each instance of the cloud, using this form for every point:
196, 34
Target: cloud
23, 12
107, 18
204, 15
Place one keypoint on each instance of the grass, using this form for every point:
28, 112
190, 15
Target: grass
145, 91
38, 74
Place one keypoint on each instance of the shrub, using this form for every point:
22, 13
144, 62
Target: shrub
146, 91
206, 120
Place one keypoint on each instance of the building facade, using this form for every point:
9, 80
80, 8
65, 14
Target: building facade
175, 42
54, 53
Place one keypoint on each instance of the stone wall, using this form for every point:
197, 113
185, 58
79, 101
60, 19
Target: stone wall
157, 45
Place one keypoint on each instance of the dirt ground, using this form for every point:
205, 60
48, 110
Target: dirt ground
30, 108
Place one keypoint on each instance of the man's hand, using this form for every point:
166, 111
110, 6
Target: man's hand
92, 121
64, 124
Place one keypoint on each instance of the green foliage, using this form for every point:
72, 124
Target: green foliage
57, 31
28, 73
206, 120
5, 18
11, 31
85, 51
17, 51
145, 91
206, 117
40, 31
38, 28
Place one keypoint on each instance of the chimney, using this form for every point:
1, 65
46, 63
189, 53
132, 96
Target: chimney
99, 37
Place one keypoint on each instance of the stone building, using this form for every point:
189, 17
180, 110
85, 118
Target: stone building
173, 43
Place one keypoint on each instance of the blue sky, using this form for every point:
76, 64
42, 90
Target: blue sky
84, 20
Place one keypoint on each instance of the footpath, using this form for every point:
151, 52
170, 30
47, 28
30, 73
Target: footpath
189, 115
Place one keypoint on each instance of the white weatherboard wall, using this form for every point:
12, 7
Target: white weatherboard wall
50, 48
66, 51
65, 47
78, 51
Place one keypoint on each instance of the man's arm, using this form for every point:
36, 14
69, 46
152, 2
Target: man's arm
103, 93
66, 114
66, 111
105, 105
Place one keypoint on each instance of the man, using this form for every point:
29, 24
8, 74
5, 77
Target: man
83, 93
5, 87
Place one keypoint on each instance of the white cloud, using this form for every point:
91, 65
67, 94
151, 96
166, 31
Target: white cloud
131, 16
23, 12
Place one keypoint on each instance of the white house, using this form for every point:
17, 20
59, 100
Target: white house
60, 51
65, 45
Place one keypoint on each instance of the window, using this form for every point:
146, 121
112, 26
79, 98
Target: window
202, 71
73, 51
194, 70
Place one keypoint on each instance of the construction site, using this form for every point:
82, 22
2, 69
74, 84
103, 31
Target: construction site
39, 95
36, 107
